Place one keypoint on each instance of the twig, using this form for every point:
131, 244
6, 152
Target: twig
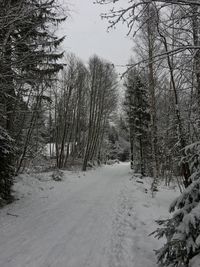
14, 215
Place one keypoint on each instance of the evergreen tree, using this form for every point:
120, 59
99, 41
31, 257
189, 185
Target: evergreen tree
113, 143
137, 109
28, 65
6, 168
182, 230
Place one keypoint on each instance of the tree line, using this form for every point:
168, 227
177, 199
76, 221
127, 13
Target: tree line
28, 64
82, 106
162, 106
48, 98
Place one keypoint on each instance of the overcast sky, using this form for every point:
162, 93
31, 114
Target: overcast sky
87, 34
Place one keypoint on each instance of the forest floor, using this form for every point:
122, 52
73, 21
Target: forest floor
100, 218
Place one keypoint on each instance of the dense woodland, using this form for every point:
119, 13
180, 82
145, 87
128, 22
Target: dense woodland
57, 112
162, 105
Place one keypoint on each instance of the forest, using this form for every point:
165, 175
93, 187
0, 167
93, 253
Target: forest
59, 113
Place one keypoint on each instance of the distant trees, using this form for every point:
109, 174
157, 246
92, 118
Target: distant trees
167, 48
71, 101
44, 102
102, 102
113, 142
115, 145
173, 86
82, 101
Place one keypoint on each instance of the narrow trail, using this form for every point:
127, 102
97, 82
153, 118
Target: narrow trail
68, 226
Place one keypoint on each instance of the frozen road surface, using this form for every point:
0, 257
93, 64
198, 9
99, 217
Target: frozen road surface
101, 218
62, 224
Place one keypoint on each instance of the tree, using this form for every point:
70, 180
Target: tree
174, 26
177, 94
137, 109
6, 169
182, 229
103, 101
71, 111
29, 62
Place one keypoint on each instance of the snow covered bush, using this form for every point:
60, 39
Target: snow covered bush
57, 175
6, 168
182, 230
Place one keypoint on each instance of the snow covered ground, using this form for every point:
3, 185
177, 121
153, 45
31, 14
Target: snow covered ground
101, 218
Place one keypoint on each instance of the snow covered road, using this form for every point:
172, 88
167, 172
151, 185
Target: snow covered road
68, 224
100, 218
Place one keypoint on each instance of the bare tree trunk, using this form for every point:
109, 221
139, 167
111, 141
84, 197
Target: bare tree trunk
196, 41
64, 134
30, 130
141, 157
132, 153
181, 138
151, 79
91, 119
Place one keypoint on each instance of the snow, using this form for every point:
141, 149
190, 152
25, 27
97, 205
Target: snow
195, 261
50, 149
101, 218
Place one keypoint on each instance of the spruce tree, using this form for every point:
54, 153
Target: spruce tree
137, 109
28, 62
6, 168
182, 230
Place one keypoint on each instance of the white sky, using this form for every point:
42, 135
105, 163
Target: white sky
87, 34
